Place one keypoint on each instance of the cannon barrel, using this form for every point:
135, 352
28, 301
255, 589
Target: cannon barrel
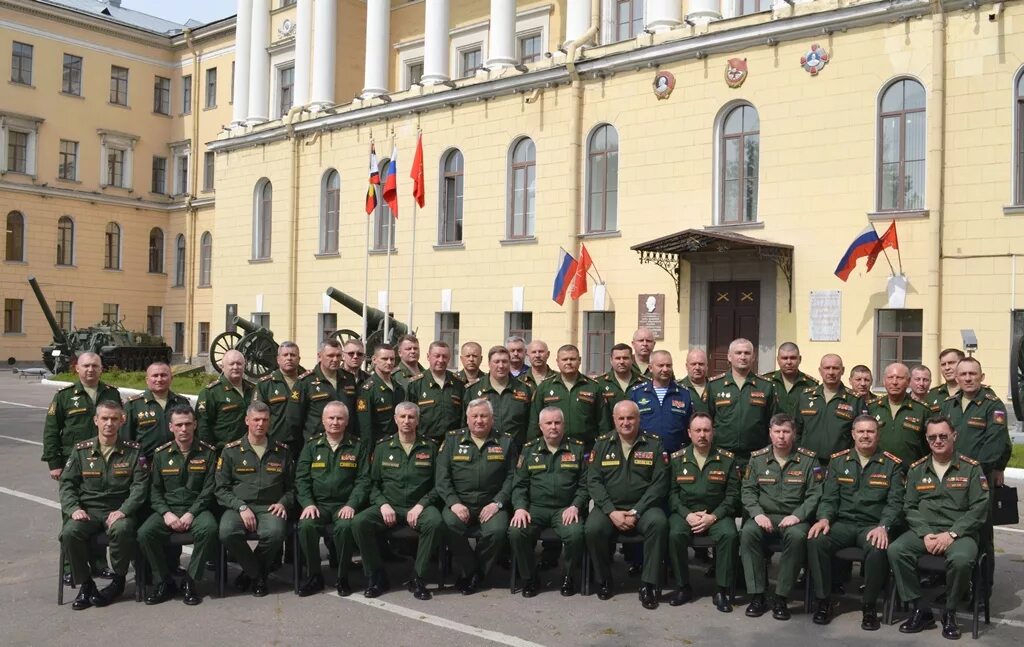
248, 326
59, 336
374, 317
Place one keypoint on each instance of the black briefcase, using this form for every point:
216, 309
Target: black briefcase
1004, 506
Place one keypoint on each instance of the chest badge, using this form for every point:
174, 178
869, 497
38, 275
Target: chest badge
846, 471
170, 463
684, 471
391, 457
536, 458
318, 456
245, 462
91, 464
551, 392
767, 472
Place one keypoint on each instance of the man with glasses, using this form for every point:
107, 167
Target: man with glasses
352, 355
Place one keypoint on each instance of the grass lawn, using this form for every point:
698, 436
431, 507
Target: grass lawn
183, 385
1017, 458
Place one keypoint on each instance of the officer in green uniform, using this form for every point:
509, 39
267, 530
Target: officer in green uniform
475, 467
353, 353
946, 504
275, 389
741, 403
825, 413
438, 393
255, 485
900, 417
324, 383
549, 491
538, 370
220, 406
643, 346
703, 499
789, 381
181, 497
102, 486
402, 493
509, 397
696, 380
780, 492
575, 394
146, 420
861, 505
627, 477
330, 486
615, 385
861, 381
516, 347
377, 397
948, 359
408, 361
920, 383
471, 355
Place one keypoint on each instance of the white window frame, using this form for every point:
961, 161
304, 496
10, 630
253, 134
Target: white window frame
408, 54
716, 170
113, 140
280, 58
465, 39
179, 151
609, 23
27, 125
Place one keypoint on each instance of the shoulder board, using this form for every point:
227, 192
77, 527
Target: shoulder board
416, 376
726, 453
920, 460
65, 388
459, 378
164, 446
588, 379
716, 377
767, 376
307, 373
212, 384
455, 432
990, 396
678, 453
281, 445
382, 440
762, 451
607, 436
647, 434
953, 398
431, 441
968, 459
842, 453
575, 441
131, 443
532, 443
639, 385
234, 443
137, 396
809, 390
368, 385
266, 378
893, 457
84, 444
206, 445
811, 379
806, 452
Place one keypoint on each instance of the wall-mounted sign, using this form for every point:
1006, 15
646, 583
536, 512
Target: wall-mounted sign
664, 83
651, 314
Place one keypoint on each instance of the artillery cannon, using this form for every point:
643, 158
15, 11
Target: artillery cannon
374, 323
1017, 378
116, 345
257, 346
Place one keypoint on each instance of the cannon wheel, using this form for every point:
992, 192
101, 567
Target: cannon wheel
260, 352
1017, 379
222, 343
345, 335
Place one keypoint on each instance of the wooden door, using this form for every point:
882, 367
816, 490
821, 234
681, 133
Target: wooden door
734, 312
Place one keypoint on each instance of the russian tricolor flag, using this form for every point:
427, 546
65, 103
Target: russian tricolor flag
564, 276
862, 247
390, 192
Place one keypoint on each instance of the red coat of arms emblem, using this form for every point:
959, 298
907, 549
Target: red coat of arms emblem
735, 72
814, 60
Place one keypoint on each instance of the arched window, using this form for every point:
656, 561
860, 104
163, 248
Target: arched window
1019, 139
179, 260
262, 219
15, 247
65, 241
156, 250
205, 259
330, 205
901, 146
522, 179
602, 180
449, 225
112, 247
739, 151
383, 222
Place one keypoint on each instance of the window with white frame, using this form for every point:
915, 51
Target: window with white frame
530, 48
179, 261
902, 140
1018, 139
413, 74
161, 95
186, 94
209, 164
330, 206
116, 158
285, 89
211, 87
14, 249
447, 324
739, 151
17, 152
64, 315
159, 175
263, 198
155, 320
111, 313
156, 250
18, 137
65, 241
13, 311
67, 169
451, 195
599, 337
470, 61
522, 199
181, 159
602, 180
112, 247
205, 260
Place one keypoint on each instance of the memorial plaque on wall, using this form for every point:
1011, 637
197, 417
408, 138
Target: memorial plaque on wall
651, 314
825, 314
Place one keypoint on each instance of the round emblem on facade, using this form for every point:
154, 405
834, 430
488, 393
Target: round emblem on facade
735, 72
664, 83
286, 29
814, 60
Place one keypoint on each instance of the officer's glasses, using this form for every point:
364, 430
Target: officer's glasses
937, 438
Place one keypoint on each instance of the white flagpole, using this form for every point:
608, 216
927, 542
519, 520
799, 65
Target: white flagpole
412, 269
387, 293
366, 283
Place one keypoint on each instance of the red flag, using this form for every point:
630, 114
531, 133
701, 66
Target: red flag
419, 191
390, 193
371, 191
579, 281
888, 239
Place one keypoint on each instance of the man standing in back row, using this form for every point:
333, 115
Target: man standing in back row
741, 403
146, 418
789, 380
220, 407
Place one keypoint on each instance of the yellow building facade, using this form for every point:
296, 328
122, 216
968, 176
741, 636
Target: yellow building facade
688, 145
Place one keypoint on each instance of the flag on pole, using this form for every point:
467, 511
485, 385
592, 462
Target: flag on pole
564, 275
419, 191
863, 245
391, 183
888, 239
579, 279
371, 191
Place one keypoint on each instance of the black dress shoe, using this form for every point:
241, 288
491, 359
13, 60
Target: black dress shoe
313, 584
949, 627
634, 569
343, 588
681, 597
106, 573
419, 590
648, 596
164, 591
530, 589
568, 587
260, 588
179, 571
243, 582
919, 620
85, 592
474, 584
823, 612
377, 586
757, 607
780, 609
112, 591
604, 590
721, 601
190, 593
870, 620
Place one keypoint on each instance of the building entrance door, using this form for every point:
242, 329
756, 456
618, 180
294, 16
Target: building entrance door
734, 312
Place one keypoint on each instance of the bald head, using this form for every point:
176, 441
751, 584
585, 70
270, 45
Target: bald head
697, 366
643, 344
89, 367
831, 371
896, 380
233, 365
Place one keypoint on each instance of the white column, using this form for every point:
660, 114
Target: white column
378, 37
259, 64
325, 53
577, 19
704, 11
303, 48
502, 37
435, 43
243, 33
663, 15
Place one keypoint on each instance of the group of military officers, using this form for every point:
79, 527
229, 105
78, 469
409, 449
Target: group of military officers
499, 456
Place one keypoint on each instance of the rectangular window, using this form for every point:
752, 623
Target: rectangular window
161, 95
181, 174
748, 7
211, 88
898, 339
208, 164
21, 63
155, 320
71, 81
326, 325
286, 89
179, 337
629, 19
203, 338
17, 152
115, 167
110, 313
519, 324
599, 337
413, 74
469, 62
448, 331
261, 319
159, 175
12, 316
68, 169
63, 314
186, 94
529, 48
119, 85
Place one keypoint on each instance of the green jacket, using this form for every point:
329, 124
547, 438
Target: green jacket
180, 483
608, 387
220, 412
526, 377
981, 431
957, 502
582, 406
403, 374
715, 488
773, 489
101, 486
824, 427
868, 496
789, 401
741, 414
551, 480
902, 434
441, 408
315, 391
333, 479
699, 401
375, 409
147, 423
635, 482
937, 395
403, 480
245, 479
511, 406
285, 408
69, 420
475, 477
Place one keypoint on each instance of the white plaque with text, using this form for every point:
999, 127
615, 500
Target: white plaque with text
825, 315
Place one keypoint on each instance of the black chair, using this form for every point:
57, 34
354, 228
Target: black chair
222, 575
776, 547
549, 535
445, 556
979, 588
403, 533
98, 541
175, 539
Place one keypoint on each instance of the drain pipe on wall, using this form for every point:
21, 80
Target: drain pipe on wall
936, 177
192, 212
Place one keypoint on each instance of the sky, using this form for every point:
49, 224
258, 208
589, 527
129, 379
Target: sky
181, 10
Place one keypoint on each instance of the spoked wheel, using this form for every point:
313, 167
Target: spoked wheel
222, 343
260, 352
345, 335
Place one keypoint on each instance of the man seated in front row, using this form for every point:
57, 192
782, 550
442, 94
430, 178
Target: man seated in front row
102, 486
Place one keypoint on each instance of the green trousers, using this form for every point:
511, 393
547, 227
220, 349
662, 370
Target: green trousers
523, 541
271, 531
311, 530
845, 535
723, 532
368, 527
960, 556
153, 536
76, 537
600, 532
492, 541
753, 541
